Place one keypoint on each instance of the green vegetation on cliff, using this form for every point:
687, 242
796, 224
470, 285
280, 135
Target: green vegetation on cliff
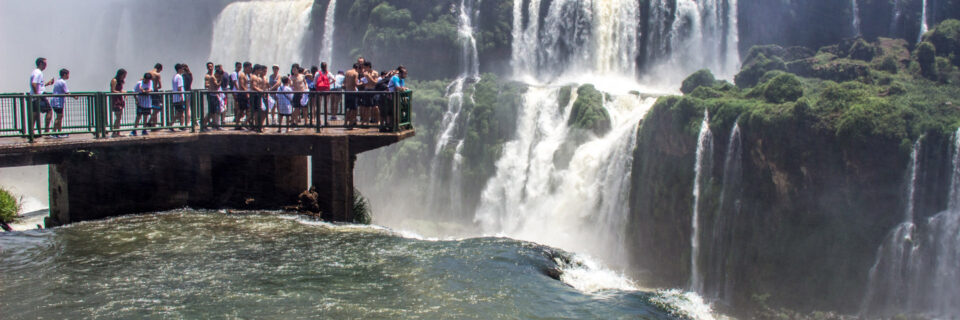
9, 206
825, 139
588, 112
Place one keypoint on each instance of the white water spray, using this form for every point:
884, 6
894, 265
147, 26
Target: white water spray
718, 283
924, 27
702, 166
329, 24
270, 32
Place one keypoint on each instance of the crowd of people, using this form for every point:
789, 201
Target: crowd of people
258, 99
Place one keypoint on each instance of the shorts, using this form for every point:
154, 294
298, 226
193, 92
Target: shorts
179, 106
41, 105
157, 101
350, 102
58, 111
145, 111
296, 100
242, 101
213, 104
255, 102
117, 104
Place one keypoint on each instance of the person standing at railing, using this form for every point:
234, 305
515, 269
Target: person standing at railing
350, 82
284, 104
224, 80
156, 101
337, 93
370, 77
243, 98
60, 87
117, 102
274, 82
40, 103
323, 80
144, 102
398, 83
213, 102
299, 86
179, 100
188, 86
257, 107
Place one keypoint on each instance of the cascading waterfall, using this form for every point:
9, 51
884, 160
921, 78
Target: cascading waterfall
701, 167
691, 36
897, 13
580, 206
916, 270
456, 95
329, 24
855, 11
717, 283
924, 27
262, 31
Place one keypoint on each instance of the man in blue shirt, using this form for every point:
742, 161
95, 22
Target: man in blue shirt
397, 83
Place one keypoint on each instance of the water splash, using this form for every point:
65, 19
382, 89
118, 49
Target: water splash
329, 25
702, 166
264, 31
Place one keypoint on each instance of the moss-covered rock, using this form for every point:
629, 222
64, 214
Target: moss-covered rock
698, 79
783, 88
862, 50
755, 68
563, 97
588, 112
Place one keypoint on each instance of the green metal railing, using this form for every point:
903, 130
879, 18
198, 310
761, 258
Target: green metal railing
107, 114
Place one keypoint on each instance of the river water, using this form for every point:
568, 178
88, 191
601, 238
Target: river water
202, 264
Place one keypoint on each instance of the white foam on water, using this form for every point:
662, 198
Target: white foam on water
684, 304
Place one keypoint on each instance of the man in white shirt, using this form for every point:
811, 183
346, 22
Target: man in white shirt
40, 104
60, 88
179, 104
144, 102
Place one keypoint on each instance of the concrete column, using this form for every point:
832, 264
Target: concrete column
333, 176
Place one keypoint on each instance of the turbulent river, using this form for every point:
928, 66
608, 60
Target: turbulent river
193, 264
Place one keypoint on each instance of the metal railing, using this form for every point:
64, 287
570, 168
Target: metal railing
106, 115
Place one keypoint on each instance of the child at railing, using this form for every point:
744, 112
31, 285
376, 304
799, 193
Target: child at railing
60, 87
284, 104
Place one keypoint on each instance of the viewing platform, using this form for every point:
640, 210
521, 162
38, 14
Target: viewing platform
196, 164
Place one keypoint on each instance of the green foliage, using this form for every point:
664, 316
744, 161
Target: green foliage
927, 57
755, 68
563, 97
783, 88
862, 50
700, 78
946, 38
361, 209
10, 206
588, 112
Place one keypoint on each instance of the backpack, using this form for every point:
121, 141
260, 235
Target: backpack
323, 81
383, 84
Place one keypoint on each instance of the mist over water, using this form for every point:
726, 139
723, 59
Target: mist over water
94, 38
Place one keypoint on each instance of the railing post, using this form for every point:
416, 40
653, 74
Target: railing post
100, 110
317, 115
193, 111
29, 112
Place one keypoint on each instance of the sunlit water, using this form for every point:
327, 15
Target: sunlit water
190, 264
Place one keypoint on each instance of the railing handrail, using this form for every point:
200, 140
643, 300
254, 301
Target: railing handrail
96, 115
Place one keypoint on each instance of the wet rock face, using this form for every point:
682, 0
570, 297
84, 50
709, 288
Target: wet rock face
308, 201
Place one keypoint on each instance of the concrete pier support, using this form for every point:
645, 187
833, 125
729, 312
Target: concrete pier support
114, 182
333, 164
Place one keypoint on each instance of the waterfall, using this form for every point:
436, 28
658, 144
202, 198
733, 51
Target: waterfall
924, 27
579, 206
701, 167
917, 270
270, 32
855, 11
717, 282
897, 13
450, 130
326, 54
691, 36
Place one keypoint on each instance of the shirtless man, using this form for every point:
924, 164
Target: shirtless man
350, 96
156, 101
369, 80
212, 85
258, 85
299, 86
243, 98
